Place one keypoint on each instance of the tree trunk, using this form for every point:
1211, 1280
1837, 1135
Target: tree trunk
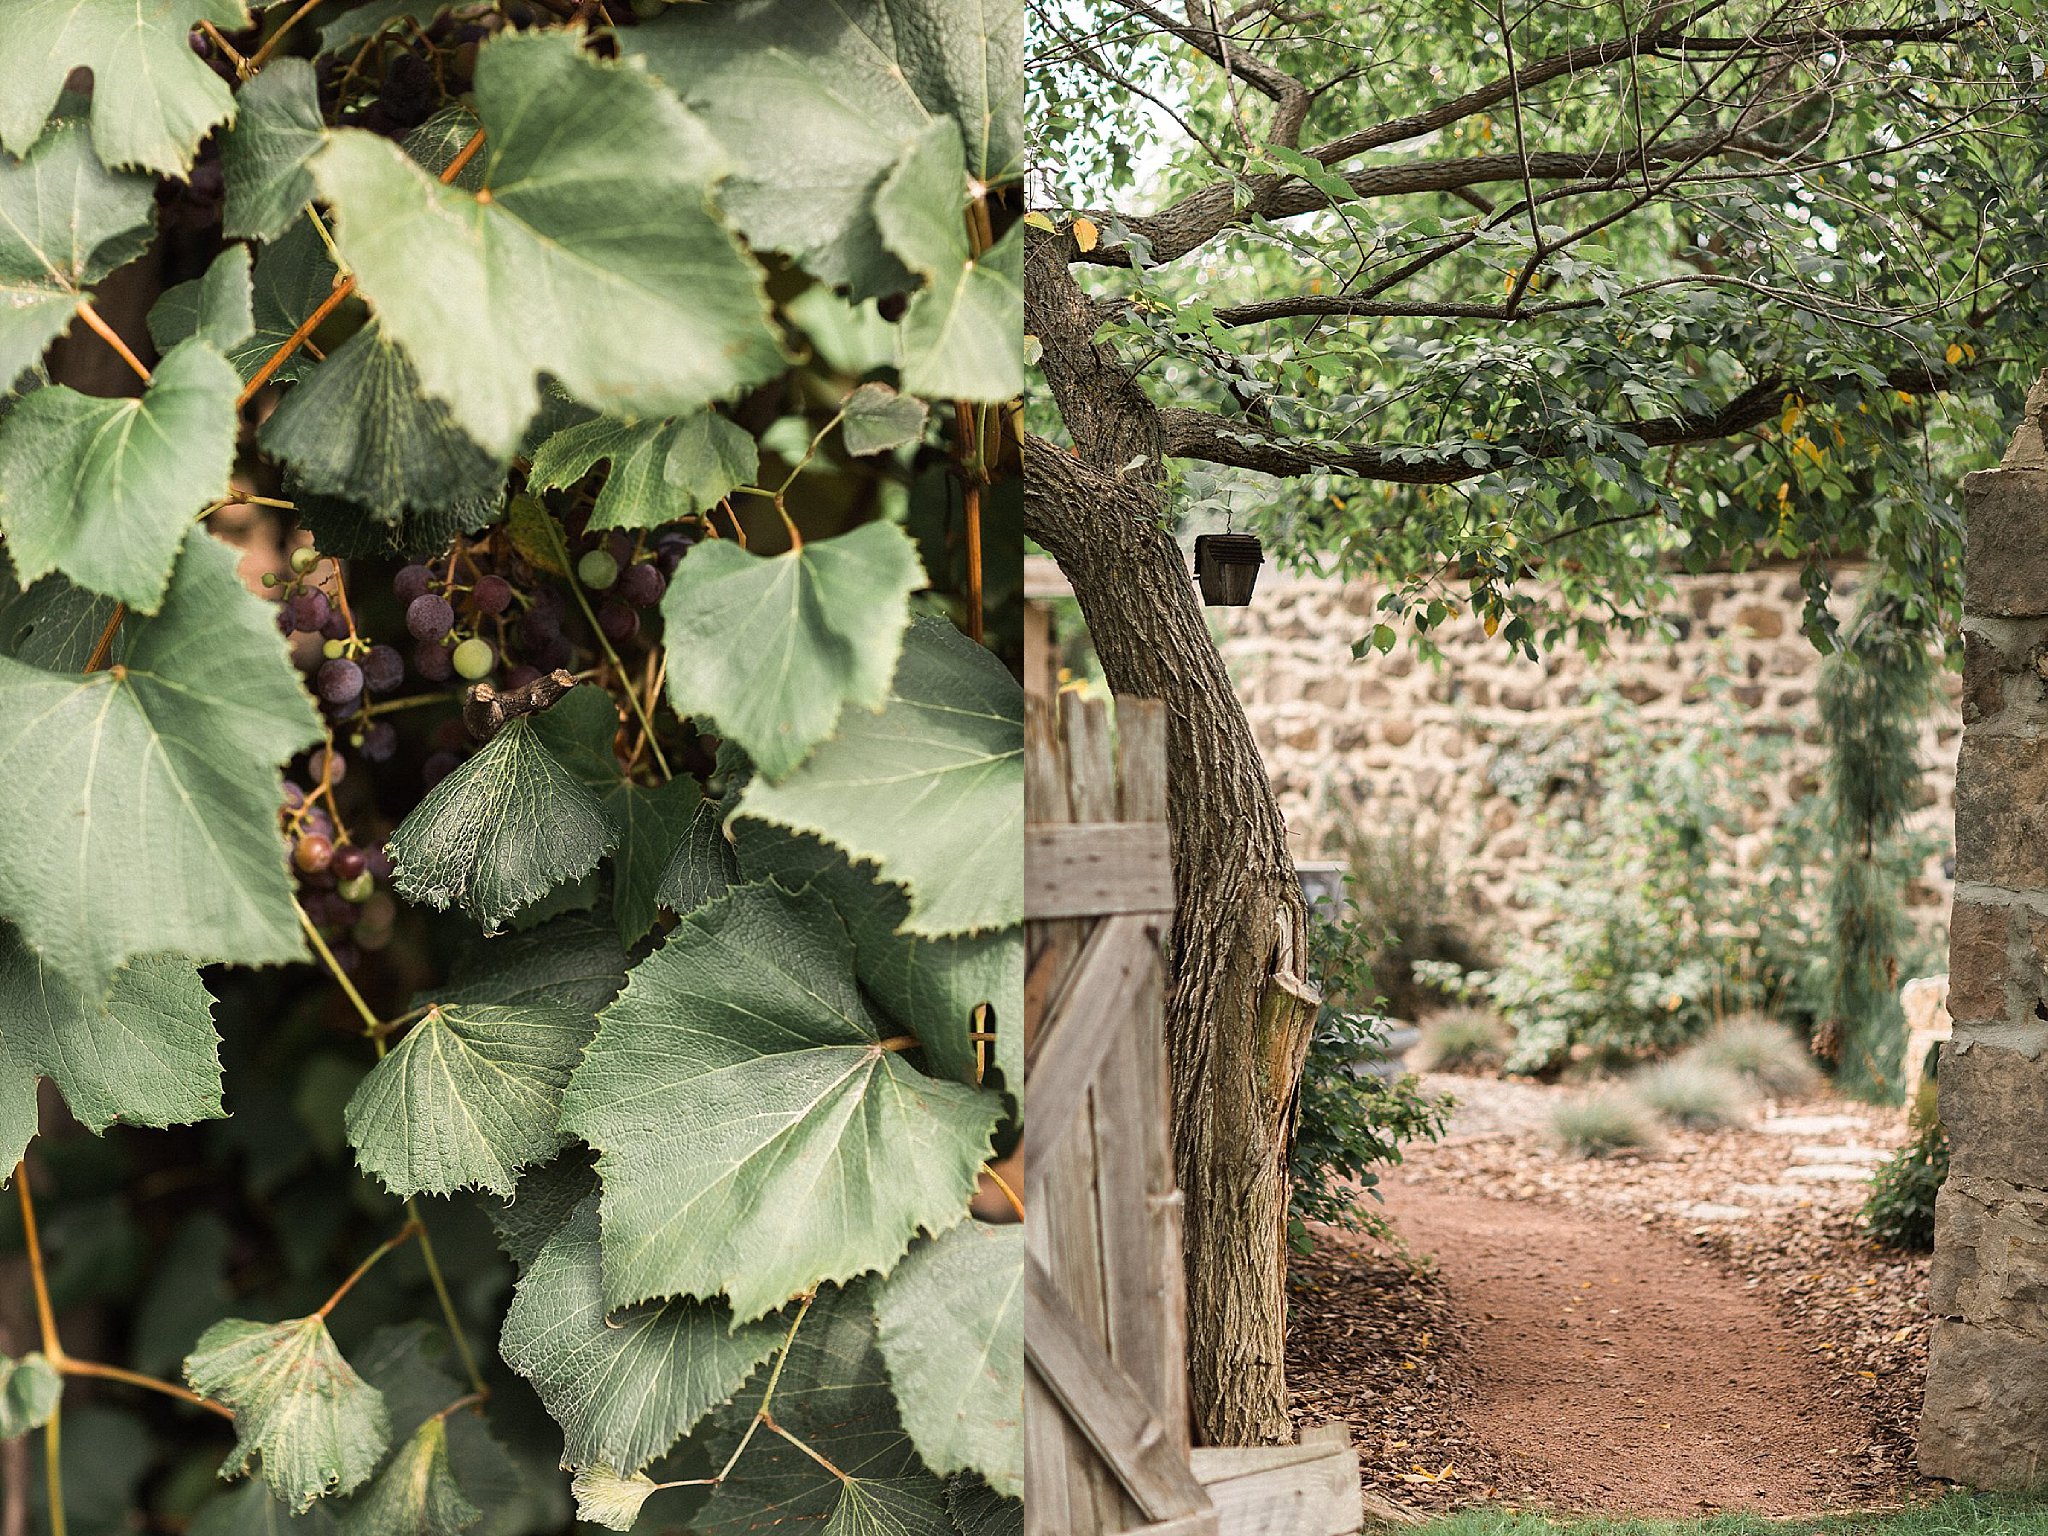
1238, 1013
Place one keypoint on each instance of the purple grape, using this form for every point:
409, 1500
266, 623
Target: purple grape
318, 766
536, 629
336, 627
294, 796
518, 677
383, 669
619, 622
308, 609
380, 861
380, 741
548, 600
429, 616
620, 547
641, 585
349, 861
492, 594
199, 43
411, 584
438, 767
339, 680
284, 619
207, 181
322, 823
556, 653
430, 660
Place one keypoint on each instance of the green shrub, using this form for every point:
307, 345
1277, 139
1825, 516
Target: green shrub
1694, 1094
1900, 1210
1769, 1057
1605, 1121
1349, 1124
1463, 1039
1406, 909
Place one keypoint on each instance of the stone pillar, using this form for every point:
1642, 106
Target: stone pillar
1985, 1420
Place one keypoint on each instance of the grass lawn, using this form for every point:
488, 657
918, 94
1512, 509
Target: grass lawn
1959, 1514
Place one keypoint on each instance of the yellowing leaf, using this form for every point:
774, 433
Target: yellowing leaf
1086, 234
1039, 220
1954, 354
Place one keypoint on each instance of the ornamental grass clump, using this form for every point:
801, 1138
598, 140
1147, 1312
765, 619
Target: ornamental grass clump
1694, 1094
1604, 1122
1766, 1055
1463, 1040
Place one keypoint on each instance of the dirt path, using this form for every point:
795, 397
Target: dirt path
1636, 1375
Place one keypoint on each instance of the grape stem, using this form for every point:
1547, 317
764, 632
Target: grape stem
262, 55
112, 338
481, 1392
371, 1024
411, 1228
619, 670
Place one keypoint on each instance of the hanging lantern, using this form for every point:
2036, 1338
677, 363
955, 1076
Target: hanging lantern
1227, 566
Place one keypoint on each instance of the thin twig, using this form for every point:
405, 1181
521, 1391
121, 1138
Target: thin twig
371, 1024
112, 338
397, 1239
469, 1365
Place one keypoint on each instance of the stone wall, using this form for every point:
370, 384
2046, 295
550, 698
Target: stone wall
1395, 744
1986, 1416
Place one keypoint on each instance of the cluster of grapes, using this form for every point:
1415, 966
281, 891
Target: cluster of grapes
351, 669
338, 879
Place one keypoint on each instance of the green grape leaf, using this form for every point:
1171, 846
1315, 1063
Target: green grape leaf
756, 1133
537, 536
416, 1495
963, 335
357, 427
319, 1427
899, 1506
153, 98
653, 825
978, 1510
660, 471
607, 1498
105, 489
816, 103
597, 204
931, 987
468, 1097
702, 867
931, 789
876, 419
288, 282
143, 1052
501, 831
833, 1394
579, 729
344, 528
278, 130
951, 1322
622, 1385
407, 1364
65, 223
216, 307
357, 26
52, 624
775, 647
249, 1510
29, 1389
547, 1197
571, 962
166, 762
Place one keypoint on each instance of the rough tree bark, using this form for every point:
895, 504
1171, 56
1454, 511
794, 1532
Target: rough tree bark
1238, 1016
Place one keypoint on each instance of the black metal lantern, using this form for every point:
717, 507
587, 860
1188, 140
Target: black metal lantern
1227, 566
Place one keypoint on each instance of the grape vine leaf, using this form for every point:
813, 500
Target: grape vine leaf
547, 1197
756, 1133
143, 1051
876, 419
931, 789
357, 427
816, 103
52, 624
775, 647
963, 335
623, 1385
978, 1510
608, 1498
65, 223
468, 1097
167, 761
501, 831
289, 279
217, 307
265, 156
702, 867
660, 471
105, 489
318, 1426
573, 962
416, 1495
366, 21
154, 99
404, 1363
598, 203
653, 824
950, 1318
29, 1389
832, 1394
931, 987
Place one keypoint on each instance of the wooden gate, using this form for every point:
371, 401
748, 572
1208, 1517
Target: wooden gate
1106, 1413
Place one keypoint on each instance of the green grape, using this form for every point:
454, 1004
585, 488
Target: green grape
304, 558
358, 887
333, 649
597, 570
474, 658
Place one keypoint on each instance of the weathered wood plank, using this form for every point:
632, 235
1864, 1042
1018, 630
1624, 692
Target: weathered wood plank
1091, 1013
1132, 1277
1104, 1403
1141, 759
1091, 770
1093, 869
1048, 1510
1292, 1490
